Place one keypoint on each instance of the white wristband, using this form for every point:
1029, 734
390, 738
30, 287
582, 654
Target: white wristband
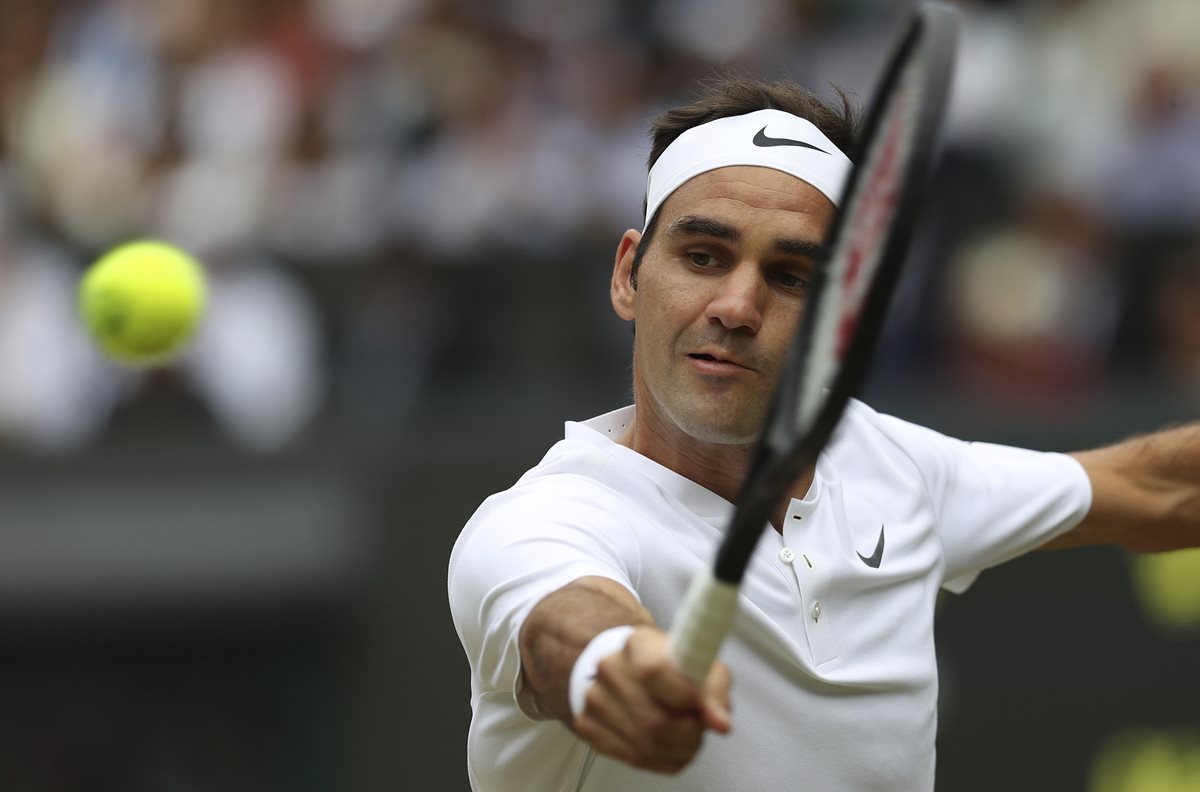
583, 674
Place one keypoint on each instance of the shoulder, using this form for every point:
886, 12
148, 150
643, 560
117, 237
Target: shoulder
866, 422
865, 435
952, 472
572, 483
561, 521
569, 500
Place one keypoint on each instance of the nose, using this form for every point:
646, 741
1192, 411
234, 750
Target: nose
737, 303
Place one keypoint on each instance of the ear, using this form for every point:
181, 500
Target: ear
621, 289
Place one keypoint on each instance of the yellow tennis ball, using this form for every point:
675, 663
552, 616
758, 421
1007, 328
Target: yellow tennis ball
1168, 587
142, 301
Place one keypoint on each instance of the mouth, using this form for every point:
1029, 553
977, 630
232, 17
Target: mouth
716, 364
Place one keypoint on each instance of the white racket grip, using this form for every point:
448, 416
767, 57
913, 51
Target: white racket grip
701, 623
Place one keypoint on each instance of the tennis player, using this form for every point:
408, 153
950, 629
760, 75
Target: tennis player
560, 587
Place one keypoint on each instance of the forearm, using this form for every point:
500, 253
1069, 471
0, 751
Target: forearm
1145, 493
560, 627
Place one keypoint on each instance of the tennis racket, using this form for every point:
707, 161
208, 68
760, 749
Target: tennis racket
828, 357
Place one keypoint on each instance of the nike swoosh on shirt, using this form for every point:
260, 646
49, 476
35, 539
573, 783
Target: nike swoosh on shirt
763, 141
877, 556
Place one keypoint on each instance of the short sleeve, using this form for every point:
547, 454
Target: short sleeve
521, 545
991, 502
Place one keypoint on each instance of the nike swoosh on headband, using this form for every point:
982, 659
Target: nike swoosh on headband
733, 140
763, 141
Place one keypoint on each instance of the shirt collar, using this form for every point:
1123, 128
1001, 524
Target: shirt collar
603, 431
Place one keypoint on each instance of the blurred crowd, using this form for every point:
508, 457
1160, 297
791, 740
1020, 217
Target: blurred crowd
324, 157
359, 177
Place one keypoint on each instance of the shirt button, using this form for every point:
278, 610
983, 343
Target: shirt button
786, 555
816, 611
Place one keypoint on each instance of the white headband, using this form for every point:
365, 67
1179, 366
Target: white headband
770, 138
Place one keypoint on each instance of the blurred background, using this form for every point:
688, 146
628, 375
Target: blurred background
230, 574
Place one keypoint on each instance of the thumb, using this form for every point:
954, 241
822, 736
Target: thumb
714, 699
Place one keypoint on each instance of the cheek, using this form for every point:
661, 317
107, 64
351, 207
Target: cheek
660, 322
656, 306
782, 334
672, 302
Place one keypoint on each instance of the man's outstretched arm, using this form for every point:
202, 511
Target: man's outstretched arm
1145, 493
640, 709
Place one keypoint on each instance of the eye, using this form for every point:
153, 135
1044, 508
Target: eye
798, 281
701, 260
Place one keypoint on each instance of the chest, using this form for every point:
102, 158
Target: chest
844, 594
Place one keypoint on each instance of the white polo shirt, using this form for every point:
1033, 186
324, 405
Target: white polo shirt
835, 678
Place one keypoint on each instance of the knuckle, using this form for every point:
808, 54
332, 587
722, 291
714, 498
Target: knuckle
592, 699
643, 759
642, 636
690, 738
651, 669
607, 669
656, 724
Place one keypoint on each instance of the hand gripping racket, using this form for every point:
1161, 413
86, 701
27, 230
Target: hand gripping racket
828, 356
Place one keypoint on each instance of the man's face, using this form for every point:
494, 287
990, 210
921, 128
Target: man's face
719, 293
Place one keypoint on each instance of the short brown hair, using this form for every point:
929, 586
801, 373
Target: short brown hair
728, 95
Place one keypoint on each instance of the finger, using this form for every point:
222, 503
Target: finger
630, 679
605, 739
715, 700
650, 658
612, 700
621, 704
672, 757
680, 737
648, 756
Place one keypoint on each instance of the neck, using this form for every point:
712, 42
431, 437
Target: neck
719, 468
716, 467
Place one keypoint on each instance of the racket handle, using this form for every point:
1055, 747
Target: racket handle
701, 623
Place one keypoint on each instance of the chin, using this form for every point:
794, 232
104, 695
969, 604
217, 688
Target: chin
712, 429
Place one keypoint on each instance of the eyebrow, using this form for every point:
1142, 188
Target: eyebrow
693, 225
803, 248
